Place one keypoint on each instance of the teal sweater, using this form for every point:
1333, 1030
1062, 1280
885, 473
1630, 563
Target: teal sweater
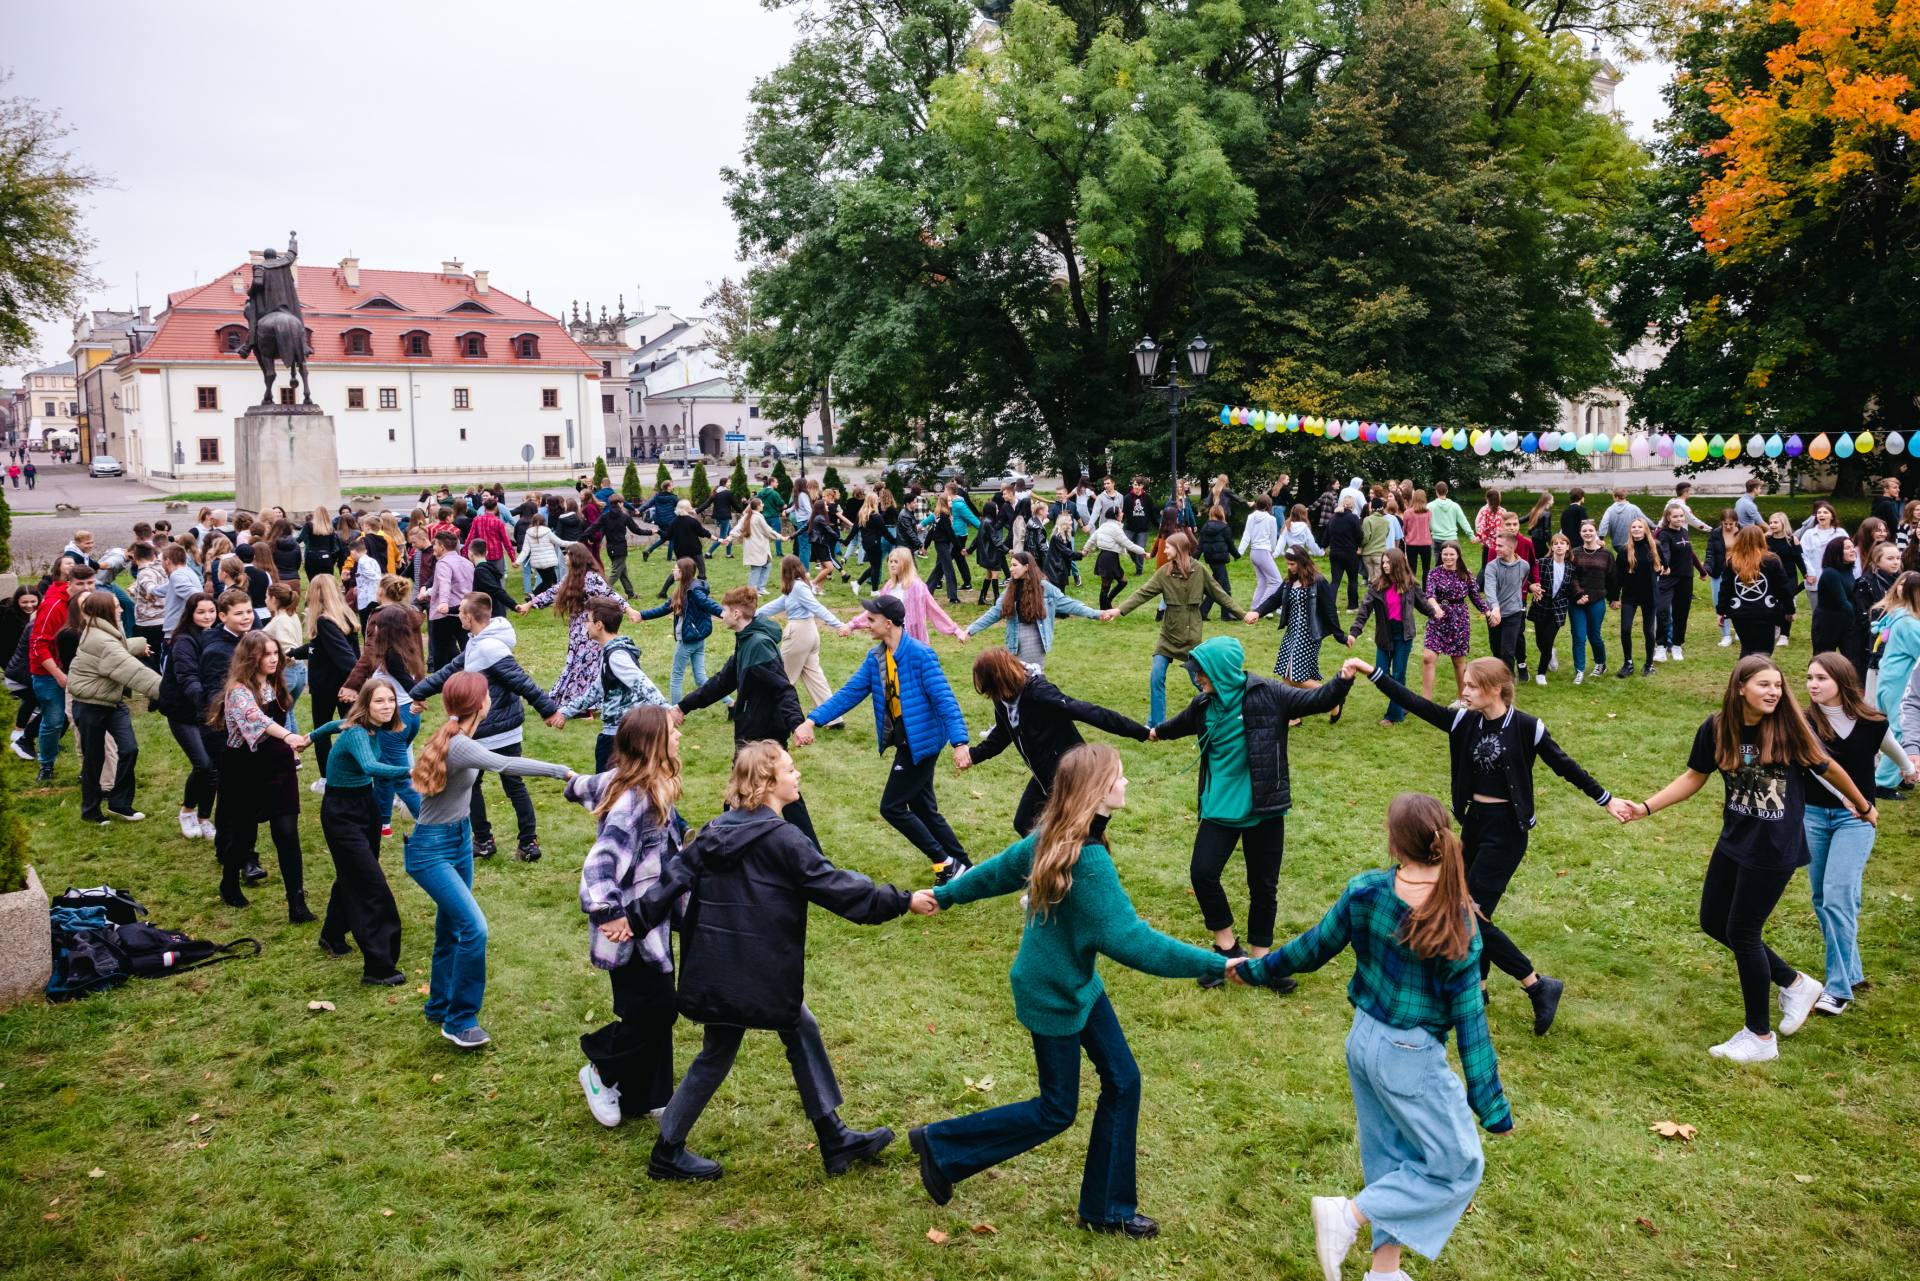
355, 758
1054, 982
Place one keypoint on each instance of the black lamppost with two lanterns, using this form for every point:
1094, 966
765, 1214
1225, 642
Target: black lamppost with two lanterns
1146, 359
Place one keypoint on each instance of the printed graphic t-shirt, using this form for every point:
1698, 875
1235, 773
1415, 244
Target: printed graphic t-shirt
1761, 819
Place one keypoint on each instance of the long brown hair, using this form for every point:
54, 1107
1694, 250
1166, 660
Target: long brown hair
1300, 566
1026, 597
393, 632
464, 694
243, 672
998, 675
791, 572
571, 596
1180, 549
643, 762
1748, 551
1853, 699
1420, 832
1393, 572
1082, 781
1783, 737
685, 571
361, 713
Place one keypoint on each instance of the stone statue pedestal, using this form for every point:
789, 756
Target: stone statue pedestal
285, 455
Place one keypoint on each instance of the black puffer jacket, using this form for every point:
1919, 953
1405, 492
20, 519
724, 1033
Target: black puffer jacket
1216, 542
1046, 729
748, 877
1267, 708
179, 696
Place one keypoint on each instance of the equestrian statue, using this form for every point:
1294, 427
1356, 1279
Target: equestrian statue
276, 330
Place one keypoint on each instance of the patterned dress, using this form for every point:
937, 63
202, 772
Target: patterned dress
1451, 635
1299, 656
582, 670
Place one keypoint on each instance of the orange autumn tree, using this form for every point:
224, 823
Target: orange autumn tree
1831, 133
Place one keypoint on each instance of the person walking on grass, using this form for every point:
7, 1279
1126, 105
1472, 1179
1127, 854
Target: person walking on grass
1856, 735
1896, 632
632, 795
1260, 543
1182, 585
1039, 721
914, 715
623, 685
1492, 747
361, 902
1075, 912
1029, 605
1305, 609
903, 583
800, 638
1450, 586
1637, 573
757, 540
569, 597
1393, 598
1415, 982
440, 849
1673, 589
693, 612
257, 770
1761, 744
1756, 596
1245, 789
1108, 542
1595, 572
106, 671
748, 877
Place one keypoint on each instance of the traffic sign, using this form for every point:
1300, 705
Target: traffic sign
736, 437
526, 453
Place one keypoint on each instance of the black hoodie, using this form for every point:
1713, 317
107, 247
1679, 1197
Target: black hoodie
748, 876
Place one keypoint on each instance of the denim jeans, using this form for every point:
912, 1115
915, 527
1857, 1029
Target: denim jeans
526, 578
726, 528
757, 574
687, 654
52, 697
1394, 664
966, 1145
1840, 844
1157, 690
803, 547
394, 749
296, 677
439, 858
1589, 623
1726, 624
1419, 1150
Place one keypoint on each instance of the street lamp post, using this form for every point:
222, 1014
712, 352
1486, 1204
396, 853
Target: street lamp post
1146, 359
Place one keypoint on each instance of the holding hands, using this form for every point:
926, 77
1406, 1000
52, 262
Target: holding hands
803, 734
963, 756
1108, 615
559, 721
523, 608
1235, 965
923, 903
1250, 617
1623, 809
1355, 667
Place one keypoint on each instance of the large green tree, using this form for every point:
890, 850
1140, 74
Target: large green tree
43, 247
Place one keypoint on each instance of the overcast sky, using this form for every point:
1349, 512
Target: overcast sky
572, 148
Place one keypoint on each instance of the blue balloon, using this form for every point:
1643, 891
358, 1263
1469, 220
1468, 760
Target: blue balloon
1459, 441
1226, 416
1426, 435
1569, 442
1530, 444
1775, 446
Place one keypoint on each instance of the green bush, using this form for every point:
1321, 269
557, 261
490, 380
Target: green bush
700, 490
630, 484
6, 537
782, 481
13, 833
662, 478
599, 473
896, 484
738, 482
830, 479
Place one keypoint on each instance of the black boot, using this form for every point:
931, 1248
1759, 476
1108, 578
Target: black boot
939, 1187
1545, 995
1139, 1227
253, 873
841, 1147
297, 911
671, 1162
230, 888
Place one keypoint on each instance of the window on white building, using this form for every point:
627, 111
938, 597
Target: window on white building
207, 398
389, 398
552, 447
462, 399
356, 398
549, 398
209, 449
606, 403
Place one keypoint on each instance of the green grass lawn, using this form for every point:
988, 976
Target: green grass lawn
209, 1125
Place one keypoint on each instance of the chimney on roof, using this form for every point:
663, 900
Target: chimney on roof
240, 283
146, 315
480, 282
350, 271
453, 267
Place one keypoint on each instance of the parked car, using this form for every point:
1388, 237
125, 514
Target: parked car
677, 454
771, 449
105, 465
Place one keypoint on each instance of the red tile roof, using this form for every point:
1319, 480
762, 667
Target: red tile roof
188, 329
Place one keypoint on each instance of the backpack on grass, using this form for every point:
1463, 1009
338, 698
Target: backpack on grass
93, 949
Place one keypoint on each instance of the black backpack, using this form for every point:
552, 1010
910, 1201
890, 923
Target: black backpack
151, 952
121, 907
100, 942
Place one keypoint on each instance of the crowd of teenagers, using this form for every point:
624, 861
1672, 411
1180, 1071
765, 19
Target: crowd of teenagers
225, 626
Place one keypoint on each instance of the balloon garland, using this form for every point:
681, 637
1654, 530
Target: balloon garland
1638, 445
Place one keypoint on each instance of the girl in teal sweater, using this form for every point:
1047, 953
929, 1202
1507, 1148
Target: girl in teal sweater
1076, 910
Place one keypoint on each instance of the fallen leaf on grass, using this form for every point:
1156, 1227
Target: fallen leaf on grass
929, 1027
984, 1230
934, 1235
320, 1005
193, 1118
1647, 1224
386, 1214
1803, 1178
52, 1217
984, 1085
422, 989
1673, 1130
439, 1077
97, 1173
200, 1238
1561, 872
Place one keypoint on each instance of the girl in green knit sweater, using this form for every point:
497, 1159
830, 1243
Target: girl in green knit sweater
1076, 911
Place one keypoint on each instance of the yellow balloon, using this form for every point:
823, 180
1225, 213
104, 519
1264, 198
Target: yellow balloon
1821, 447
1621, 444
1864, 442
1697, 449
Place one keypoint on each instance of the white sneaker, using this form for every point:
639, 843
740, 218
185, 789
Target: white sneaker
1782, 642
1579, 678
1725, 641
1677, 654
1745, 1047
603, 1100
1796, 1002
1539, 680
1827, 1005
19, 747
1553, 662
318, 785
1659, 653
1334, 1233
206, 829
189, 825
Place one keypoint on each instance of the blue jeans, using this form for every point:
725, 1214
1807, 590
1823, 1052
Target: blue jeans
803, 547
687, 654
966, 1145
726, 527
52, 697
1726, 624
439, 858
1589, 628
1840, 844
1157, 690
757, 574
395, 749
526, 578
296, 676
1394, 664
1419, 1149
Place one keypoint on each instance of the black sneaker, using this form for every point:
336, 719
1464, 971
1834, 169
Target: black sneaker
954, 866
1545, 996
253, 873
1208, 981
1647, 670
1626, 670
483, 847
1139, 1227
939, 1187
394, 979
529, 851
45, 774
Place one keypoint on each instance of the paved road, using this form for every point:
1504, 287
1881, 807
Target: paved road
108, 508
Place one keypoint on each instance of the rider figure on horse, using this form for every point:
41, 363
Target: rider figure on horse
272, 290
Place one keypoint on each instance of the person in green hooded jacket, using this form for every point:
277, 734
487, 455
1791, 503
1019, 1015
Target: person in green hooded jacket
1245, 790
1183, 583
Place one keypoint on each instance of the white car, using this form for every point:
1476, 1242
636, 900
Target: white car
105, 465
682, 455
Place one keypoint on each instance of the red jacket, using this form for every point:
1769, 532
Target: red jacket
491, 530
47, 622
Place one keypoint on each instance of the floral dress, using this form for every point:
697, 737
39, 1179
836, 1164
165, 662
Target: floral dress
582, 670
1451, 635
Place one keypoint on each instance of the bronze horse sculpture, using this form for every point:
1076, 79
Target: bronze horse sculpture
276, 330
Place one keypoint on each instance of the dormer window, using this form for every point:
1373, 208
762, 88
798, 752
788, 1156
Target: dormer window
470, 306
526, 346
415, 343
228, 338
356, 342
379, 302
472, 345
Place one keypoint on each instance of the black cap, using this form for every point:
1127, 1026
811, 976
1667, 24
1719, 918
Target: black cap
888, 607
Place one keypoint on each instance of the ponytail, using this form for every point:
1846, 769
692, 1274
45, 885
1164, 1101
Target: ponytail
1420, 833
464, 696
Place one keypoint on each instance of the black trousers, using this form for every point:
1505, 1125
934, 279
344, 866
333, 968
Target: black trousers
1494, 843
1509, 640
1261, 846
876, 565
445, 639
1675, 604
943, 574
1546, 626
545, 576
516, 789
92, 724
806, 1056
908, 803
361, 902
1027, 813
1649, 617
1110, 589
234, 843
325, 692
1735, 902
156, 638
1419, 559
634, 1053
1218, 568
1756, 634
1346, 565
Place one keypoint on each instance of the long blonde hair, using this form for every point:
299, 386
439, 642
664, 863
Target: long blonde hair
1085, 776
324, 600
900, 567
756, 766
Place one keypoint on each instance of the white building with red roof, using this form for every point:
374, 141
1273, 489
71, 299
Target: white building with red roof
423, 372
